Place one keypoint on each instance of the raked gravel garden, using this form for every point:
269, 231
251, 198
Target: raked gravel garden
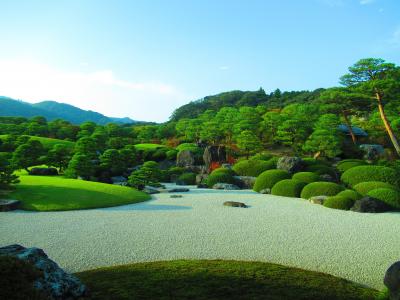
288, 231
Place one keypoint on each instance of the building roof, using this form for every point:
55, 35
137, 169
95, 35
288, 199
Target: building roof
356, 130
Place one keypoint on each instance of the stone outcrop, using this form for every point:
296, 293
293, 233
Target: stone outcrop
215, 154
290, 164
245, 182
369, 205
318, 199
185, 159
225, 186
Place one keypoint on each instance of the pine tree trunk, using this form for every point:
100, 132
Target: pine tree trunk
387, 124
348, 124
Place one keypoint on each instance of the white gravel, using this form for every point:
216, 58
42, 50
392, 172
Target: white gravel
292, 232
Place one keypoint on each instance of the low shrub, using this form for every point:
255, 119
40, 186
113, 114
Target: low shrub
269, 178
321, 188
359, 174
224, 170
188, 146
171, 154
347, 164
261, 156
219, 177
187, 178
288, 188
159, 154
309, 161
253, 167
321, 169
339, 202
350, 194
364, 187
389, 196
307, 177
176, 170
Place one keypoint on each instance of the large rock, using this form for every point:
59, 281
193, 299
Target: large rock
54, 282
235, 204
119, 180
392, 280
245, 182
369, 205
151, 190
179, 190
318, 199
216, 154
225, 186
290, 164
201, 178
8, 204
43, 171
185, 158
265, 191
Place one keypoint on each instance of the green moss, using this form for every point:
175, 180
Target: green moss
171, 154
347, 164
269, 178
176, 171
339, 202
321, 188
288, 188
364, 187
350, 194
307, 177
188, 178
219, 177
389, 196
321, 169
359, 174
188, 146
224, 170
253, 167
262, 156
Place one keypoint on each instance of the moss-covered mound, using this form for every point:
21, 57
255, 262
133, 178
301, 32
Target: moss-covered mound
219, 177
253, 167
262, 156
347, 164
359, 174
321, 188
365, 187
389, 196
225, 171
339, 202
269, 178
350, 194
307, 177
321, 169
288, 188
187, 178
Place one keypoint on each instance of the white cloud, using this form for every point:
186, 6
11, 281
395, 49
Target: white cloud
99, 90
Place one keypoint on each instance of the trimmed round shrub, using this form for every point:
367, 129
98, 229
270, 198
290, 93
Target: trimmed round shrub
224, 170
253, 167
188, 146
159, 154
171, 154
339, 202
288, 188
176, 170
359, 174
347, 164
321, 188
321, 169
350, 194
187, 178
364, 187
307, 177
219, 177
261, 156
389, 196
269, 178
309, 161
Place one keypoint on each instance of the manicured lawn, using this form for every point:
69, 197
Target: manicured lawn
149, 146
217, 279
45, 193
48, 143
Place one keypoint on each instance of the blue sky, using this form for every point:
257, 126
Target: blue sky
143, 59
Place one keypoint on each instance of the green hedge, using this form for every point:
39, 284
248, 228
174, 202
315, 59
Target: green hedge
176, 170
389, 196
307, 177
347, 164
269, 178
188, 146
188, 178
364, 187
359, 174
321, 188
224, 170
321, 169
261, 156
339, 202
253, 167
350, 194
219, 177
288, 188
171, 154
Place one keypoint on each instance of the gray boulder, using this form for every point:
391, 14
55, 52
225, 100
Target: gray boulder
8, 204
245, 182
265, 191
290, 164
327, 177
178, 190
119, 180
235, 204
369, 205
318, 199
185, 158
225, 186
201, 178
214, 154
150, 190
202, 186
54, 282
392, 280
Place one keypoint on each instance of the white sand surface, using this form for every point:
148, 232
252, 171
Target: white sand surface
289, 231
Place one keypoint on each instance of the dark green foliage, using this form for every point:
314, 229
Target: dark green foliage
87, 146
346, 164
171, 154
253, 167
261, 156
7, 176
159, 154
219, 177
288, 188
17, 279
27, 155
321, 169
176, 171
389, 196
307, 177
187, 178
269, 178
350, 194
321, 188
80, 166
364, 187
339, 202
148, 174
59, 156
370, 173
111, 161
188, 146
224, 170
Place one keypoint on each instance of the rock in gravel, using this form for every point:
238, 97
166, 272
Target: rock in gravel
150, 190
225, 186
291, 164
392, 280
235, 204
318, 199
265, 191
176, 196
178, 190
202, 186
245, 182
8, 204
54, 282
369, 205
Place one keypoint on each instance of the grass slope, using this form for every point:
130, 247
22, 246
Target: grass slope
43, 193
48, 143
216, 279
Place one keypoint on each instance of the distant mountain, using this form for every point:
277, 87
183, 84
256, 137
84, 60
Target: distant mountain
54, 110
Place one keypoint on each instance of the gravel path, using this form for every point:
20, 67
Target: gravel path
292, 232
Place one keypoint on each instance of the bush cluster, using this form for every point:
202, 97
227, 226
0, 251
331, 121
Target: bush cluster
253, 167
389, 196
219, 177
307, 177
339, 202
321, 169
347, 164
350, 194
364, 187
269, 178
187, 178
262, 156
288, 188
359, 174
321, 188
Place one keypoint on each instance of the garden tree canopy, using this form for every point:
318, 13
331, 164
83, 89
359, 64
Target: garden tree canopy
80, 165
28, 154
7, 176
376, 79
111, 160
59, 156
269, 125
87, 146
227, 118
248, 142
